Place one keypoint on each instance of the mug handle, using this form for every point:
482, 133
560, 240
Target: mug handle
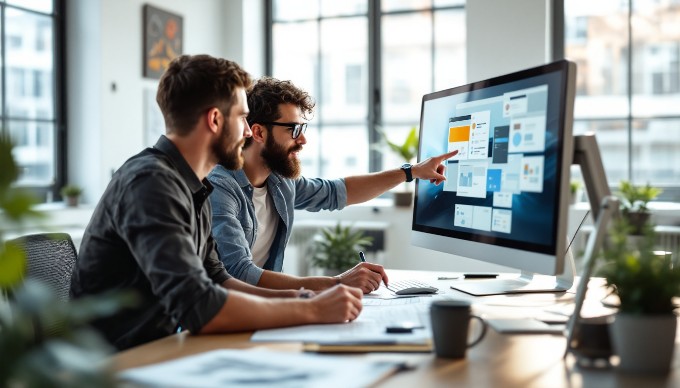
481, 335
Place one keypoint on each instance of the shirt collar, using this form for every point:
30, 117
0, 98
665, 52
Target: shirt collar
199, 189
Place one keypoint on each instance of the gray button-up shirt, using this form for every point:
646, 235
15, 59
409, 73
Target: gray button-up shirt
235, 224
150, 233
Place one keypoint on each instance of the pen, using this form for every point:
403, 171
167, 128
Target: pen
362, 257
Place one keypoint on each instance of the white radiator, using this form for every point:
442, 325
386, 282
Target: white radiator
667, 239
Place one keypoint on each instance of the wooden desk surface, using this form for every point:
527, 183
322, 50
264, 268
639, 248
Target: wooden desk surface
499, 360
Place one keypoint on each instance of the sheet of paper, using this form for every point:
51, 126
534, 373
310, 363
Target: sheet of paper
261, 368
368, 328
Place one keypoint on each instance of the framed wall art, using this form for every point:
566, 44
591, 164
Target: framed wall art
162, 40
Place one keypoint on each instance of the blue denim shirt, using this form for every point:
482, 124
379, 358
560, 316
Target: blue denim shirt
235, 224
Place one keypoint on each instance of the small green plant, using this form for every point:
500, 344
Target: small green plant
635, 198
644, 280
337, 248
408, 150
574, 186
71, 190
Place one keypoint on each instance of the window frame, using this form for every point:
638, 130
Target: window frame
374, 59
47, 192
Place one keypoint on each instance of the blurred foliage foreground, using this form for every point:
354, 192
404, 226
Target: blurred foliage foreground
44, 342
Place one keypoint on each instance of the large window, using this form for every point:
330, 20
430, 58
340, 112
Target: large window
628, 55
30, 85
367, 63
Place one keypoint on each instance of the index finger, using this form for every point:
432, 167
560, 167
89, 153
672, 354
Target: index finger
447, 155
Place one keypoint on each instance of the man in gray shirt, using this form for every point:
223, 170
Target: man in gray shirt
253, 207
150, 231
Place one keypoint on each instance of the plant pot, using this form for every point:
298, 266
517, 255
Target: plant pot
403, 198
637, 220
644, 343
72, 201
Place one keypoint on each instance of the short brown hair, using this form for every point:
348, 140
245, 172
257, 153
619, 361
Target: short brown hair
266, 96
194, 83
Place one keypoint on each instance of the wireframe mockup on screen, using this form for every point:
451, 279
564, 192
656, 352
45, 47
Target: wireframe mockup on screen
505, 200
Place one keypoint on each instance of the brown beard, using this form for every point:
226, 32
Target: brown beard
276, 158
227, 151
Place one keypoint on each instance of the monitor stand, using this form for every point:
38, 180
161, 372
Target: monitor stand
525, 283
587, 157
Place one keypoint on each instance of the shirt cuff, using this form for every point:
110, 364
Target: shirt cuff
204, 309
253, 275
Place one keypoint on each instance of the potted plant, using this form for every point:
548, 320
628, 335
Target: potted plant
336, 249
574, 188
71, 194
634, 200
645, 281
407, 151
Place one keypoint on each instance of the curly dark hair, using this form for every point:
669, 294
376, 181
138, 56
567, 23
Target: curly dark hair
193, 84
266, 96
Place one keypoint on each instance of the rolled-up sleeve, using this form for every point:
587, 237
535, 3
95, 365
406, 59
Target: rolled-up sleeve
320, 194
159, 228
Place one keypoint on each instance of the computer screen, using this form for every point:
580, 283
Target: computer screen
505, 200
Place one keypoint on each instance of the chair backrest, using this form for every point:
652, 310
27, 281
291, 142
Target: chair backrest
50, 258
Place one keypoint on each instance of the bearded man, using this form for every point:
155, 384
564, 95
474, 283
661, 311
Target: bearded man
150, 232
253, 206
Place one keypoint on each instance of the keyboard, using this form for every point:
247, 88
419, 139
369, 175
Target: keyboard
409, 287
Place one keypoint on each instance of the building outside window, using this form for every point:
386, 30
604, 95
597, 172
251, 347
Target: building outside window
628, 86
30, 73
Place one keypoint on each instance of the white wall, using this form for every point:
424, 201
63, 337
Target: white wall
504, 36
104, 49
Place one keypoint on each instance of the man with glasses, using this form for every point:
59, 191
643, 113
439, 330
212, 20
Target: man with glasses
253, 206
151, 230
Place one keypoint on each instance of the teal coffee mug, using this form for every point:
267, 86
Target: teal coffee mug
450, 320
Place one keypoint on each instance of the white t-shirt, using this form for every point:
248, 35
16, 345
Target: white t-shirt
267, 223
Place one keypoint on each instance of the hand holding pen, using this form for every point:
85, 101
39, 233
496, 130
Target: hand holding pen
366, 276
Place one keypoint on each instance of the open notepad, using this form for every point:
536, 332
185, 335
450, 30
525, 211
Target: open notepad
367, 333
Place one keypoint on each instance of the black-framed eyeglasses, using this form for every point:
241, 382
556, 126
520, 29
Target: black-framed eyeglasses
296, 128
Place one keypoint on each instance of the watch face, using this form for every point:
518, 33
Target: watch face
406, 165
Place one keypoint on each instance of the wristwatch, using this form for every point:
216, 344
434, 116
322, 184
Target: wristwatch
406, 167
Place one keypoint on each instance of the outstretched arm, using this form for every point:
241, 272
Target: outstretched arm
361, 188
243, 312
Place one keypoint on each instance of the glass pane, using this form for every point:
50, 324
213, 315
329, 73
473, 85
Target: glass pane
449, 49
344, 7
344, 70
310, 154
294, 61
612, 138
295, 10
446, 3
34, 151
406, 65
396, 134
656, 156
344, 151
402, 5
656, 59
596, 38
36, 5
29, 56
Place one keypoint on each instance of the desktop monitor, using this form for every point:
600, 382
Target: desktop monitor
505, 199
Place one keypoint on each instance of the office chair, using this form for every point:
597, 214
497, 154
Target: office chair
50, 258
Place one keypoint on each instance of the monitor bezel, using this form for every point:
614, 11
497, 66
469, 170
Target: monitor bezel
523, 256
